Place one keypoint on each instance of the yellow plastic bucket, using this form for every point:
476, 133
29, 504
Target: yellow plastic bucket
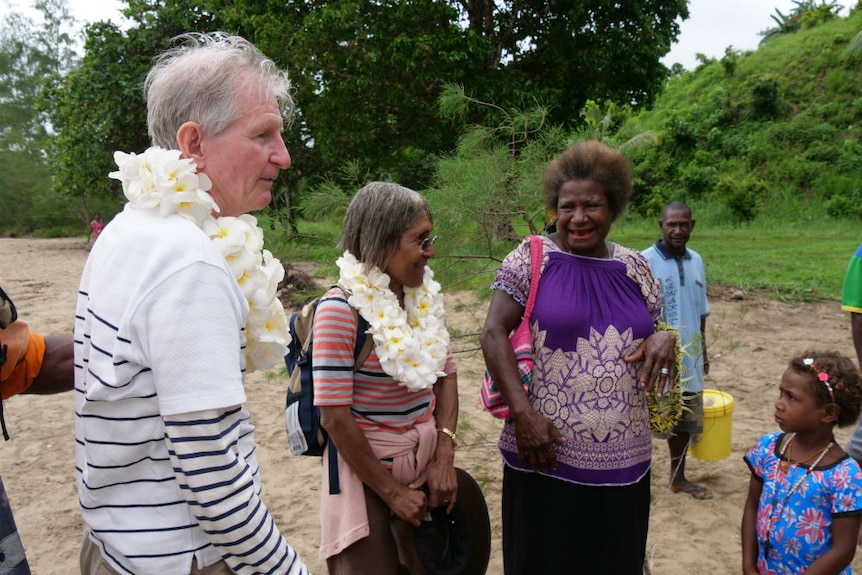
717, 415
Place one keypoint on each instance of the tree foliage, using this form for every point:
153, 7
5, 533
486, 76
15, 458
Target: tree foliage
805, 14
99, 107
488, 193
368, 73
29, 53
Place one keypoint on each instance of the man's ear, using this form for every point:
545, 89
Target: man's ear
692, 223
190, 138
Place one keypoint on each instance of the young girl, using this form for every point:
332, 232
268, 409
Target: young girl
805, 494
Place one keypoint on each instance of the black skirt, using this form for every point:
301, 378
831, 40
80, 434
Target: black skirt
555, 527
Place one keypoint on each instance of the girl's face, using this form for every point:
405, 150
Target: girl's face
796, 408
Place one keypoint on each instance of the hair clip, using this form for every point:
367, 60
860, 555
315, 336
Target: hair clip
821, 375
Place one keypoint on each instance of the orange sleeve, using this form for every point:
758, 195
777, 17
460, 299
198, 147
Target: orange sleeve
27, 369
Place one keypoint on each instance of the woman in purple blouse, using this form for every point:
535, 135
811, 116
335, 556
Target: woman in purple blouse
577, 449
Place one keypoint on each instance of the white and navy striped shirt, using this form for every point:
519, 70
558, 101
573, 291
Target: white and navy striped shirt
165, 452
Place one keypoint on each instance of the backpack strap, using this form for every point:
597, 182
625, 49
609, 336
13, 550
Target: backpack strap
361, 351
363, 345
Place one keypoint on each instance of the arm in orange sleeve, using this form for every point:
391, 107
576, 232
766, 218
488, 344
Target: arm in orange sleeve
25, 352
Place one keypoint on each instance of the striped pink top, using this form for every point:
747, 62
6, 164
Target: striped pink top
377, 401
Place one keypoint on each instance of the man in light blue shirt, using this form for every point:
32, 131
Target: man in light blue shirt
684, 307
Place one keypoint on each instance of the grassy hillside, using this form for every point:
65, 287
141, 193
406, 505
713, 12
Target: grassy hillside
775, 133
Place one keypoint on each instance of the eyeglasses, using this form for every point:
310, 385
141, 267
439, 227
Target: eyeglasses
426, 244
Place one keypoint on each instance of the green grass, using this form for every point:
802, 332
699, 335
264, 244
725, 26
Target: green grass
787, 261
316, 242
800, 261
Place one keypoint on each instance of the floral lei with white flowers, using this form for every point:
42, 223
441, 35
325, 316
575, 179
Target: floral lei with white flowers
161, 179
411, 342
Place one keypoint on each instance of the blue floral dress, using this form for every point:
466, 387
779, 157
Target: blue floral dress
794, 526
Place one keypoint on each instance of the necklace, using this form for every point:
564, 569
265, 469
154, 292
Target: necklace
160, 180
606, 256
784, 471
411, 342
784, 463
788, 461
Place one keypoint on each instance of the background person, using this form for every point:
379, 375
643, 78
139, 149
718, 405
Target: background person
393, 421
851, 301
577, 450
804, 504
96, 226
680, 272
168, 480
29, 363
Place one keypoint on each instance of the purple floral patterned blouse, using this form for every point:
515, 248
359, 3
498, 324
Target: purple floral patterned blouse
589, 315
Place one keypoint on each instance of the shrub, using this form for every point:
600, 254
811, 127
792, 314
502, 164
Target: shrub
741, 194
841, 207
764, 93
697, 179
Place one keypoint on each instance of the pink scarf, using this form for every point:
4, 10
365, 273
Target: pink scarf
344, 517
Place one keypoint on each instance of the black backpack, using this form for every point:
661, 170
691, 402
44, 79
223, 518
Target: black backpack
302, 418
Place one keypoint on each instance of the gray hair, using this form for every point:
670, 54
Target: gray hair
377, 217
197, 79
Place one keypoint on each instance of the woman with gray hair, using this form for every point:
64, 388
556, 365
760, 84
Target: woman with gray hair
393, 420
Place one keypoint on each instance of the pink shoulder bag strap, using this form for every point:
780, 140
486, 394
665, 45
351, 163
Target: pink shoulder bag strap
535, 274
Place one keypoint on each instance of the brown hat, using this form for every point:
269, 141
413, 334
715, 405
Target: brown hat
458, 543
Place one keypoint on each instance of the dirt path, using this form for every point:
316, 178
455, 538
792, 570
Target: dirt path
750, 341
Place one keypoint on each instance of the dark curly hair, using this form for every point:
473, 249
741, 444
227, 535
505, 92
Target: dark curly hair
591, 160
843, 377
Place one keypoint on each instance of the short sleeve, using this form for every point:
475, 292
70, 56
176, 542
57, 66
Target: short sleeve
851, 294
703, 298
335, 326
846, 481
638, 269
758, 456
513, 275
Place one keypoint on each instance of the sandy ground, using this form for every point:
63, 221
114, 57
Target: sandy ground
750, 341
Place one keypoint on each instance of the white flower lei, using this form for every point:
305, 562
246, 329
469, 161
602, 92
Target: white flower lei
411, 343
160, 179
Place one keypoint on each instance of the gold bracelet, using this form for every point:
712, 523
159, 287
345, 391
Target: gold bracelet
450, 433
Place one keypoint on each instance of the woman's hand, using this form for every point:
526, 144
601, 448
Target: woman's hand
440, 475
535, 436
442, 481
411, 505
659, 354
